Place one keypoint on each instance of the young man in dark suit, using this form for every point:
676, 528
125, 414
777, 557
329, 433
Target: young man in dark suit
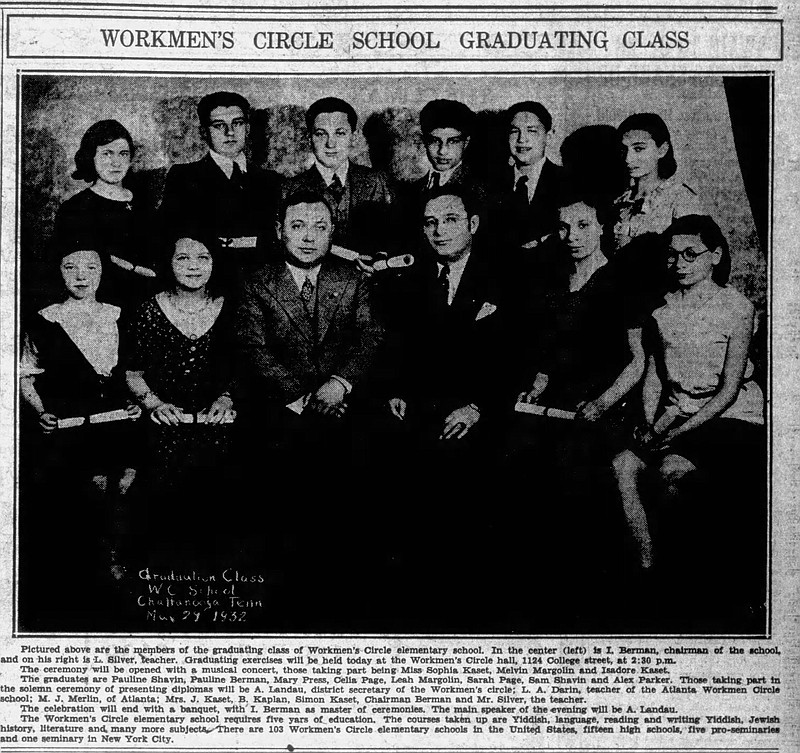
523, 203
233, 199
360, 196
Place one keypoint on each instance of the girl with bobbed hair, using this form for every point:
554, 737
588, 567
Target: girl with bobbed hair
656, 195
70, 378
702, 410
108, 215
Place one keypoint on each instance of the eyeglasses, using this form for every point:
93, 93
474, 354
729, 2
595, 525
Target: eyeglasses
450, 221
220, 126
687, 255
452, 141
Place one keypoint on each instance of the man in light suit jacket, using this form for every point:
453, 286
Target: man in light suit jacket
306, 331
363, 204
230, 197
524, 194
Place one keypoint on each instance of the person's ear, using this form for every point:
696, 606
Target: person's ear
205, 134
278, 228
716, 255
474, 221
663, 149
466, 142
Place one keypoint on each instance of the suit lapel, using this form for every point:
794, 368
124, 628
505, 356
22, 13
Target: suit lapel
283, 288
331, 286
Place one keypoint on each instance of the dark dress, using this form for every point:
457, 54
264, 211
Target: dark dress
119, 228
189, 373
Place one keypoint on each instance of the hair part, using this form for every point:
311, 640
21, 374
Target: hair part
657, 128
98, 134
211, 102
469, 198
327, 105
304, 196
709, 233
535, 108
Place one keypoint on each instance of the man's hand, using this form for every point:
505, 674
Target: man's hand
48, 422
459, 422
329, 399
535, 392
221, 411
397, 407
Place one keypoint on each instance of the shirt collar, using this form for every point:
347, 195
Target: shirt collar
299, 274
327, 174
226, 163
444, 176
533, 178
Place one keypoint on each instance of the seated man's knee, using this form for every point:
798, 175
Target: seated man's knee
674, 469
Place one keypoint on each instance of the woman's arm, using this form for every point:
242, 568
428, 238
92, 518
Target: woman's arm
27, 387
160, 411
730, 382
623, 384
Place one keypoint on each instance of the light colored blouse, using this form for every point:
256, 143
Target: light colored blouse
694, 333
654, 212
94, 333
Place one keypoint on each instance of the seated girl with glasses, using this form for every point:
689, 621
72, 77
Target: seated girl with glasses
702, 411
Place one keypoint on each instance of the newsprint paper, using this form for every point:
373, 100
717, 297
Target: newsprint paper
431, 385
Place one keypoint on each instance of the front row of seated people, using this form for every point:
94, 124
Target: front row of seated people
436, 355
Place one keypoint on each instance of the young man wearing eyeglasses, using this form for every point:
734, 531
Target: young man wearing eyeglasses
231, 198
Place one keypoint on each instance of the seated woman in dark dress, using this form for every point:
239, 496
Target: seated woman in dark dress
179, 368
78, 457
107, 214
581, 351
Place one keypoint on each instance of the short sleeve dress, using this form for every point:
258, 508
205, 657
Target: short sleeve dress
655, 212
74, 359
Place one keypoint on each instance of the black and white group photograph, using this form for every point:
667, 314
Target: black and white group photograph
372, 354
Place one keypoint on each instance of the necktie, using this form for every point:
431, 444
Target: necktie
336, 188
237, 179
443, 282
435, 181
521, 191
307, 294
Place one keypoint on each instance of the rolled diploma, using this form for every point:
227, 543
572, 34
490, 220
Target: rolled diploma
541, 410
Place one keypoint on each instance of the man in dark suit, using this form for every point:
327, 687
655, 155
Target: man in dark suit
523, 204
360, 196
307, 338
306, 332
229, 196
444, 321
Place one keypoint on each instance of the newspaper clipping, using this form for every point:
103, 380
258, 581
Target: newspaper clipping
399, 377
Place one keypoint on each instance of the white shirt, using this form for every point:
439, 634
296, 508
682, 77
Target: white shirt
300, 275
443, 176
226, 163
327, 174
533, 177
455, 273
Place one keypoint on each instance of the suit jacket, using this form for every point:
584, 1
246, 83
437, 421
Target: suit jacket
447, 356
286, 354
365, 214
199, 194
515, 224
